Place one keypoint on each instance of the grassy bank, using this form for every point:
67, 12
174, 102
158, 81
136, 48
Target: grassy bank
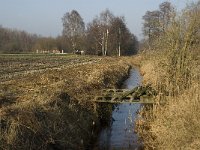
172, 123
172, 67
45, 107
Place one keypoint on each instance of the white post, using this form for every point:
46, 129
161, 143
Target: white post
119, 50
119, 42
106, 46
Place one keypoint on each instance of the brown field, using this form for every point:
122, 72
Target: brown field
23, 64
45, 100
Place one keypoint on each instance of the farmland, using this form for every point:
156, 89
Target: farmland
45, 100
22, 64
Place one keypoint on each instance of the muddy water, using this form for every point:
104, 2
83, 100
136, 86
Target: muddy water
120, 134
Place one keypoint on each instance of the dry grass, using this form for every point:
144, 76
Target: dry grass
173, 70
179, 122
52, 109
174, 125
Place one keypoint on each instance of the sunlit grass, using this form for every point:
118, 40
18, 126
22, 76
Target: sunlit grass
52, 108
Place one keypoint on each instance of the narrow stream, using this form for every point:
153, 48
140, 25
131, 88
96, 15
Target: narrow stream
120, 134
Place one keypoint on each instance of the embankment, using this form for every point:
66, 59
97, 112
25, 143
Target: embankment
53, 109
173, 124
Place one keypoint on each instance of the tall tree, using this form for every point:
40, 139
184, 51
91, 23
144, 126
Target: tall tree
118, 28
73, 28
109, 35
157, 21
151, 26
98, 31
106, 18
166, 14
95, 42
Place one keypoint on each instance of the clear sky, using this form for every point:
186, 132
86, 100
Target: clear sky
44, 16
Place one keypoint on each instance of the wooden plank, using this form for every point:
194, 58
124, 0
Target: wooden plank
113, 91
124, 102
123, 96
129, 99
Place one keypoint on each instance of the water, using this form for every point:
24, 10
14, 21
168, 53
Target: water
120, 134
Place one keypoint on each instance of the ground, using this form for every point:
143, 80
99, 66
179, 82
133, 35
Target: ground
46, 100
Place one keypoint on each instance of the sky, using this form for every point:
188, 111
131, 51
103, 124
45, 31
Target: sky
43, 17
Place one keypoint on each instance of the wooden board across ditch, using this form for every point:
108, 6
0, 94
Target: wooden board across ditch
123, 96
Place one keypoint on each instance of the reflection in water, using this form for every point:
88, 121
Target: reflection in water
120, 134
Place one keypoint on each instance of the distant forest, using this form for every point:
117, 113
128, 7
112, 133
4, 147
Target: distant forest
106, 34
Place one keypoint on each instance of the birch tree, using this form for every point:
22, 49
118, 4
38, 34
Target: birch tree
73, 27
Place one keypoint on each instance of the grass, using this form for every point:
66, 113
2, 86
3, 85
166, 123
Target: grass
51, 107
174, 73
174, 125
172, 67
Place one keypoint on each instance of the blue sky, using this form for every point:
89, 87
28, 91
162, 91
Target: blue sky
44, 16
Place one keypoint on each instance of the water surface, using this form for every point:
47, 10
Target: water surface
120, 134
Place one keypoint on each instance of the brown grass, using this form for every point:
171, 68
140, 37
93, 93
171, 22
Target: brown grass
174, 125
53, 109
173, 70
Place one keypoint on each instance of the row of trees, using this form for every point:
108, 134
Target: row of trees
156, 22
106, 34
166, 26
14, 41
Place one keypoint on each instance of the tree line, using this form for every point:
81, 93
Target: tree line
106, 34
157, 22
15, 41
166, 27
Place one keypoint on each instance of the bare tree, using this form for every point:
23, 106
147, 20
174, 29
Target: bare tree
119, 42
117, 31
73, 27
157, 21
106, 18
151, 26
99, 29
166, 14
15, 41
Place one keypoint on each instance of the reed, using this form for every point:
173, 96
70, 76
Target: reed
172, 67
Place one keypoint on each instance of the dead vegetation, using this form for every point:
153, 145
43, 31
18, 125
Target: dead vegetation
52, 109
173, 69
